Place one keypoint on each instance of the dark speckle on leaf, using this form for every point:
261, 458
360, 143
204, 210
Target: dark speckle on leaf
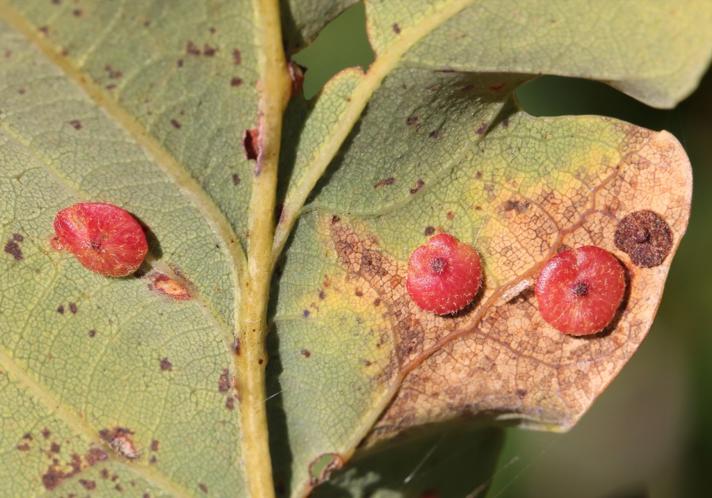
236, 179
418, 185
12, 247
236, 57
209, 51
176, 124
396, 28
434, 134
305, 313
384, 182
235, 81
515, 205
166, 365
306, 353
76, 124
224, 381
249, 143
191, 48
60, 309
73, 308
429, 231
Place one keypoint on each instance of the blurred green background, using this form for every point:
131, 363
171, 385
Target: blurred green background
650, 433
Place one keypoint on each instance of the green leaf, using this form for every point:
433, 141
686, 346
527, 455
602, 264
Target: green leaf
80, 353
655, 51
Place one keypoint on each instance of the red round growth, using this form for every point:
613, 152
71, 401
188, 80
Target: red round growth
104, 238
580, 290
444, 275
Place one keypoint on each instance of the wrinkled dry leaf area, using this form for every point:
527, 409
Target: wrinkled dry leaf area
498, 357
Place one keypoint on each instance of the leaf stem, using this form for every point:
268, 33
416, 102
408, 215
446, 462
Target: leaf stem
251, 358
381, 67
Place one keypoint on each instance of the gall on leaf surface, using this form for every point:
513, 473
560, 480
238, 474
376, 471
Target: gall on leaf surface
104, 238
444, 275
579, 290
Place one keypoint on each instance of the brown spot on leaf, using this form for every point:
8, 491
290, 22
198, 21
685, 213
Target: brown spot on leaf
192, 49
419, 184
203, 487
235, 81
155, 444
176, 124
236, 179
73, 308
396, 28
92, 333
77, 12
209, 51
112, 72
87, 484
166, 365
55, 447
95, 455
46, 433
412, 120
224, 381
645, 237
250, 143
515, 205
12, 247
23, 447
175, 287
429, 231
52, 478
236, 57
306, 353
384, 182
76, 124
434, 134
230, 403
482, 129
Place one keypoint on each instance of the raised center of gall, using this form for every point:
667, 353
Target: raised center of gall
580, 289
438, 265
